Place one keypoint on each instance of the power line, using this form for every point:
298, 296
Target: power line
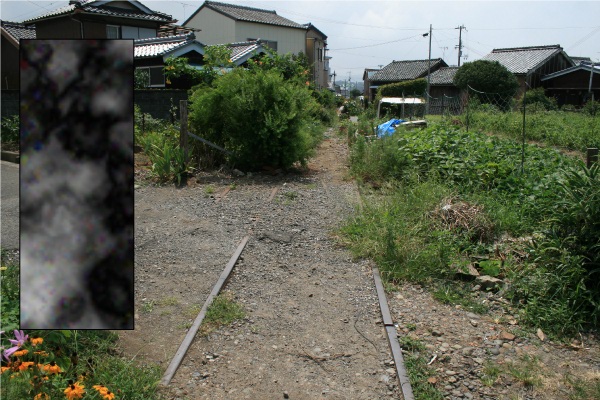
376, 44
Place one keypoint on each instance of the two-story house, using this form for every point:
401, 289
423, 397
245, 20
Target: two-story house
221, 23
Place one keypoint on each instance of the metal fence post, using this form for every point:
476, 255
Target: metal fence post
183, 142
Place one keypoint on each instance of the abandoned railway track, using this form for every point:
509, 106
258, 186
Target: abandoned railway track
312, 327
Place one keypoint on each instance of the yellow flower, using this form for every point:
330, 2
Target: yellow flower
168, 81
41, 353
75, 391
36, 341
41, 396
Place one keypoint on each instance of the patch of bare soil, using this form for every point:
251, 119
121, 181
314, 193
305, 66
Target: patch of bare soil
312, 327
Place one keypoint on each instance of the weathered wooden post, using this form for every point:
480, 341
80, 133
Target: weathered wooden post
183, 142
592, 156
143, 123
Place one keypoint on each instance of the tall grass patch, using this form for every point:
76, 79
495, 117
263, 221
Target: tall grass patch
446, 198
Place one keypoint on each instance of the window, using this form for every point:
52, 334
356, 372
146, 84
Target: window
134, 32
320, 54
113, 32
156, 76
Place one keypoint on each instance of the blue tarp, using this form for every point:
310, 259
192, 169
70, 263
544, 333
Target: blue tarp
387, 128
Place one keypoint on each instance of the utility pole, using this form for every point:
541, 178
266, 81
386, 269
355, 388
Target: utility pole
460, 28
334, 79
428, 70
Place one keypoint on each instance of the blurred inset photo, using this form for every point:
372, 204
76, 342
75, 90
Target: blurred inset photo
76, 184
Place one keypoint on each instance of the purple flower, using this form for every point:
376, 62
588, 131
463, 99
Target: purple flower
21, 338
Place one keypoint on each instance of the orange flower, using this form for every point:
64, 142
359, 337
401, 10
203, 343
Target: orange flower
41, 396
108, 396
75, 391
307, 83
20, 353
24, 365
40, 353
36, 341
101, 389
3, 369
51, 368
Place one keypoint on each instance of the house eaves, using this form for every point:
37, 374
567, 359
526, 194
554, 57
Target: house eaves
398, 71
247, 14
243, 51
167, 46
13, 31
525, 60
579, 67
95, 7
310, 26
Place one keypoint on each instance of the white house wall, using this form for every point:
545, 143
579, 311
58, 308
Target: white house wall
215, 27
289, 40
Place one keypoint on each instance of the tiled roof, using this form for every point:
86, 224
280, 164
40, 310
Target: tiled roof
443, 76
310, 26
102, 8
241, 50
18, 30
405, 70
154, 47
242, 13
521, 60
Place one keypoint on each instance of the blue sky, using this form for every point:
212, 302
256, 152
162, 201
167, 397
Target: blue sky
367, 34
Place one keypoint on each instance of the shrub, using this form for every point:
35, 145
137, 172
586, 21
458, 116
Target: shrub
486, 76
10, 129
258, 116
537, 100
412, 88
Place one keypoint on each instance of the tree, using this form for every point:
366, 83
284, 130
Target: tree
354, 93
486, 76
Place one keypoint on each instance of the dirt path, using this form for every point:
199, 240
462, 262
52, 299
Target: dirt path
312, 328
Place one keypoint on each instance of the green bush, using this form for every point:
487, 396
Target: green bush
10, 129
412, 88
536, 100
258, 116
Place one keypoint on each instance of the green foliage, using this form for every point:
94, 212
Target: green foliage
223, 311
141, 78
259, 116
10, 129
575, 131
414, 88
536, 100
415, 353
9, 294
351, 108
293, 67
354, 93
486, 76
216, 59
592, 108
327, 112
82, 356
557, 284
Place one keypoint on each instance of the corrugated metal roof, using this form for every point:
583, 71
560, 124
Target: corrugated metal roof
249, 14
397, 71
154, 47
102, 8
520, 60
18, 30
443, 76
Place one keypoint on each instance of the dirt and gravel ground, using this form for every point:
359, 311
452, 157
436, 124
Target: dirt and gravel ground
312, 328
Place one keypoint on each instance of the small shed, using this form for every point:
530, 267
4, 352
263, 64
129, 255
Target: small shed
572, 85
